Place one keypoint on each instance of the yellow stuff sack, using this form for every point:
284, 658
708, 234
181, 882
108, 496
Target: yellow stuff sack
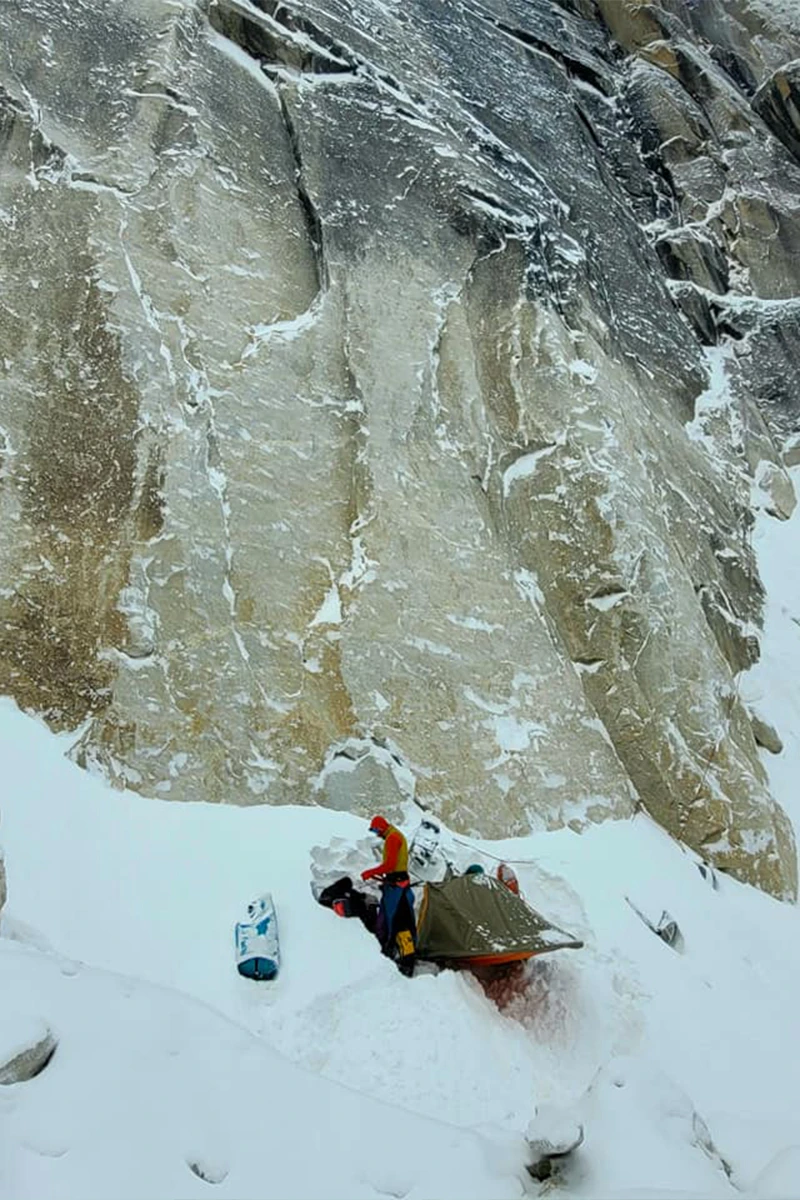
405, 943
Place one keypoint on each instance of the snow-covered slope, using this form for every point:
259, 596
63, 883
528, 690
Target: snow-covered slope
175, 1077
153, 1094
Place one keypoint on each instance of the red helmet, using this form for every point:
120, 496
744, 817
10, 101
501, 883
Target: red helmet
378, 825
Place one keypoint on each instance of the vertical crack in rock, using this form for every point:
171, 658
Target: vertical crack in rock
573, 68
312, 217
357, 572
276, 46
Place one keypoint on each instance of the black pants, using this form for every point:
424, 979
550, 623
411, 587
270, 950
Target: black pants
391, 920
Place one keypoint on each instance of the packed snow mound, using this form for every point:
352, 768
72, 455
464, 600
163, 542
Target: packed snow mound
152, 1094
781, 1177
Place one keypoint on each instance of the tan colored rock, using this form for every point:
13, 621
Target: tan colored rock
371, 427
693, 67
633, 24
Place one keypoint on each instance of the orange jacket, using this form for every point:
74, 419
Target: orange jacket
395, 855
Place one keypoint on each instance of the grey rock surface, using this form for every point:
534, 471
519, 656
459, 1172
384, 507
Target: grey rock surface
384, 384
766, 734
777, 102
26, 1047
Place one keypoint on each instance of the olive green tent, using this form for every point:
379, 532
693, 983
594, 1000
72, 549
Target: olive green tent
473, 919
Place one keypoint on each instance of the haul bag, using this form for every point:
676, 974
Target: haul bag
258, 954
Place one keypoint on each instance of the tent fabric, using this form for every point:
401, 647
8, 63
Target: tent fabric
474, 918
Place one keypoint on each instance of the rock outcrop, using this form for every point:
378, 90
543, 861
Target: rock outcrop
765, 734
381, 391
26, 1046
777, 101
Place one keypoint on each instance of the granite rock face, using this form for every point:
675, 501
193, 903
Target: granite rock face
382, 391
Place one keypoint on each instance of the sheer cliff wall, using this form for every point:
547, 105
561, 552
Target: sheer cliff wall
385, 391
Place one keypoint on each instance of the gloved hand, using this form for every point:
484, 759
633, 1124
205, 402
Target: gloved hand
368, 874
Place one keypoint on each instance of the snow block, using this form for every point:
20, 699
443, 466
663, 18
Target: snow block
257, 946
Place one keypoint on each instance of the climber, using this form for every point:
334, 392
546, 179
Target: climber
394, 865
396, 927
